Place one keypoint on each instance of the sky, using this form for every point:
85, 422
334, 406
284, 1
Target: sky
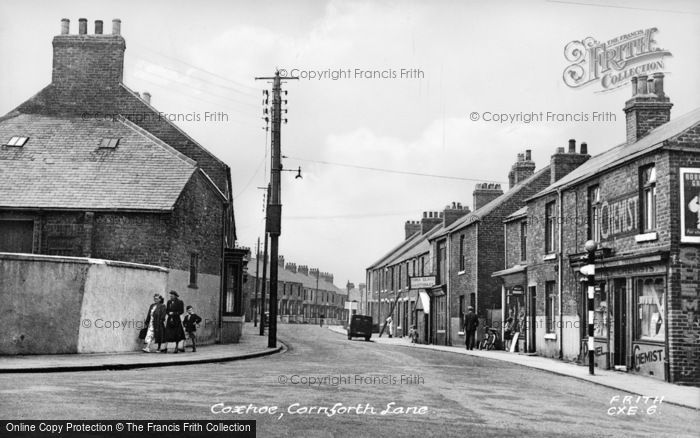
466, 58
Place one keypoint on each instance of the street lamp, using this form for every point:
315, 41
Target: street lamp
589, 271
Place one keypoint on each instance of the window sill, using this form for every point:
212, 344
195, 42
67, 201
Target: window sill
646, 237
461, 272
192, 286
550, 336
551, 256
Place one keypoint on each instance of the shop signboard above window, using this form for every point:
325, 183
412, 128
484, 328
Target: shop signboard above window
619, 216
422, 282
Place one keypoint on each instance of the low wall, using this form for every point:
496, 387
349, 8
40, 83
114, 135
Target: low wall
55, 305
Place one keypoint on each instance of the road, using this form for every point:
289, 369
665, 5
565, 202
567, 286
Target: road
461, 395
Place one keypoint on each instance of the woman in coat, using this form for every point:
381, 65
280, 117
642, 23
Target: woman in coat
155, 318
173, 326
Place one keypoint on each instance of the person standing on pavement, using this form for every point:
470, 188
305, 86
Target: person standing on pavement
173, 326
154, 323
471, 322
191, 322
390, 324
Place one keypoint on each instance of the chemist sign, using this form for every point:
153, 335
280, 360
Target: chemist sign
690, 204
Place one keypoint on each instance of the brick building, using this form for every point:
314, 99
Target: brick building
639, 201
90, 169
389, 278
303, 295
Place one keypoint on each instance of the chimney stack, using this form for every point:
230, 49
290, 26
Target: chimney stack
303, 269
280, 261
411, 228
522, 169
147, 97
291, 267
485, 193
430, 219
648, 108
562, 163
85, 62
453, 212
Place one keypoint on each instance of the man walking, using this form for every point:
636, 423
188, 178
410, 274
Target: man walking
471, 322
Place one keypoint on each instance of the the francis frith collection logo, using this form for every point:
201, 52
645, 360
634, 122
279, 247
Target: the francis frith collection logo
614, 62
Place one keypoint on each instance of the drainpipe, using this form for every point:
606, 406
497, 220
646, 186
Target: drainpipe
561, 273
448, 277
503, 284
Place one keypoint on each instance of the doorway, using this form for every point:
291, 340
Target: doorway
532, 319
620, 322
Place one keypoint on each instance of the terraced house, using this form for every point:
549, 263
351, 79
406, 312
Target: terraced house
639, 201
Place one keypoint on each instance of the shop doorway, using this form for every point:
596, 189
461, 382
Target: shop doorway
532, 319
620, 322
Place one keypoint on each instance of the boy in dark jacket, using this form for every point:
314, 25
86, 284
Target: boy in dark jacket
191, 322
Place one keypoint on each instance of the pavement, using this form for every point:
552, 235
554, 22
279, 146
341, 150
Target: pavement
251, 345
686, 396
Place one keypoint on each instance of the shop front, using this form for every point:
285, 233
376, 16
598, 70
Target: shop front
517, 315
630, 314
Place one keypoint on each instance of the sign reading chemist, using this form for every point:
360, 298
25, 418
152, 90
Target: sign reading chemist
619, 216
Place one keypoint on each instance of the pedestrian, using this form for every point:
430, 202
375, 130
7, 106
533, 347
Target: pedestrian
471, 322
413, 334
191, 322
508, 332
173, 326
155, 318
390, 324
322, 316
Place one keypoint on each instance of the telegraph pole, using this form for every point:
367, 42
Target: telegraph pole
264, 281
589, 271
274, 209
257, 284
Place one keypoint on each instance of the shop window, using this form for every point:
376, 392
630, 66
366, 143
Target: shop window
550, 221
647, 197
651, 303
600, 315
594, 213
550, 301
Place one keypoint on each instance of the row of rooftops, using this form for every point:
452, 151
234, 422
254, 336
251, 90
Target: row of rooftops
291, 273
647, 93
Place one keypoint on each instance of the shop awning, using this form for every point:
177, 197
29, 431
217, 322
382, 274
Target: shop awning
424, 302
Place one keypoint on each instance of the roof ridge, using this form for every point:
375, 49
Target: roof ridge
165, 119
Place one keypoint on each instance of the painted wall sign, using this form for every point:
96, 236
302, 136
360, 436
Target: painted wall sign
422, 282
649, 359
619, 216
690, 204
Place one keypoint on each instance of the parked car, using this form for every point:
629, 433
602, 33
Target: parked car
360, 327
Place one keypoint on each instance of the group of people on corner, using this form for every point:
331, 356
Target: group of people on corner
490, 341
164, 324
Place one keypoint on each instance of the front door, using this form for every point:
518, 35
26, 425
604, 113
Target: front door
620, 322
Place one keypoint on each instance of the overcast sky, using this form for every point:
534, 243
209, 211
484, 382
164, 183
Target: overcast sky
474, 56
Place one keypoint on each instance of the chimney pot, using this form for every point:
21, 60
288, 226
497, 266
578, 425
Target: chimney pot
116, 26
659, 85
82, 26
634, 86
560, 150
98, 27
425, 214
65, 26
650, 85
584, 148
572, 146
642, 85
528, 154
147, 97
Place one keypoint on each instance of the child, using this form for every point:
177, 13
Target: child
191, 322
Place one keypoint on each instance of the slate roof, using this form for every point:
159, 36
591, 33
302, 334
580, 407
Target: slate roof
624, 152
284, 275
62, 167
521, 212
